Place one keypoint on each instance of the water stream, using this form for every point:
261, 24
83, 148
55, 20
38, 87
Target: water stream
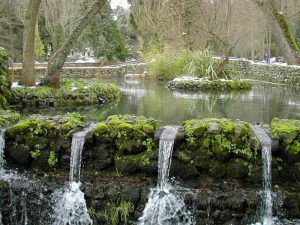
164, 206
267, 201
69, 203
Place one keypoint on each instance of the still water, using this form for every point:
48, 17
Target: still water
152, 99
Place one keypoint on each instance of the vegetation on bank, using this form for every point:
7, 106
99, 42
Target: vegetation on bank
205, 84
199, 66
72, 92
167, 65
5, 83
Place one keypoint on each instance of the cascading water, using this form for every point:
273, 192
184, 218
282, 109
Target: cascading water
69, 203
2, 145
164, 207
267, 203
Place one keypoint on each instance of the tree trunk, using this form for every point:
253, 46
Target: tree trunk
52, 76
282, 34
28, 70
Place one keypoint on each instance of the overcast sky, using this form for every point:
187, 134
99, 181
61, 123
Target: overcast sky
115, 3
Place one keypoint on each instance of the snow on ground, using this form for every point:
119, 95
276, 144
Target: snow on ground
272, 61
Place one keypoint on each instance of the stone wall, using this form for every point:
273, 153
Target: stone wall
246, 69
93, 72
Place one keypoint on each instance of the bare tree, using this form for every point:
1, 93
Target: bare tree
282, 33
28, 70
55, 64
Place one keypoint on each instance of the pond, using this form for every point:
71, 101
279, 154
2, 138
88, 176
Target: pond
153, 99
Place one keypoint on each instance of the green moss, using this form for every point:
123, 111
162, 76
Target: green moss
284, 128
129, 133
71, 121
212, 141
8, 117
217, 169
131, 163
40, 138
286, 28
5, 93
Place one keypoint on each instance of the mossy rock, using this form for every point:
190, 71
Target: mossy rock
8, 117
237, 168
32, 141
183, 170
288, 133
207, 84
286, 130
223, 137
133, 163
129, 134
201, 159
217, 169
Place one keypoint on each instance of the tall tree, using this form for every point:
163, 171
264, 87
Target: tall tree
56, 62
28, 71
282, 33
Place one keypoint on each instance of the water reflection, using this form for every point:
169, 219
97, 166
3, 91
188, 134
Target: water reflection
153, 99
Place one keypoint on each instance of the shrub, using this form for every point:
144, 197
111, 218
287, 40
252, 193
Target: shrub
167, 65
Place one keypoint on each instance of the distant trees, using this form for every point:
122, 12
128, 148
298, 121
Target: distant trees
200, 24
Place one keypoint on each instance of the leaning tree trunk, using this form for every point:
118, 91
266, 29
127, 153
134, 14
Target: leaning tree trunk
282, 34
55, 64
28, 70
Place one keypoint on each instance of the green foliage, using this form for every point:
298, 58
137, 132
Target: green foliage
149, 143
167, 65
52, 160
35, 154
5, 93
105, 37
119, 212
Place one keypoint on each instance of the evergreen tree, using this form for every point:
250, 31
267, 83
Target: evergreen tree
105, 37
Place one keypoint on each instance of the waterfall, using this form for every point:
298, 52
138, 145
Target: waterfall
70, 206
164, 207
267, 203
69, 203
2, 145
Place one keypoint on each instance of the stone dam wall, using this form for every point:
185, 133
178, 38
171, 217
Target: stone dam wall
217, 161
